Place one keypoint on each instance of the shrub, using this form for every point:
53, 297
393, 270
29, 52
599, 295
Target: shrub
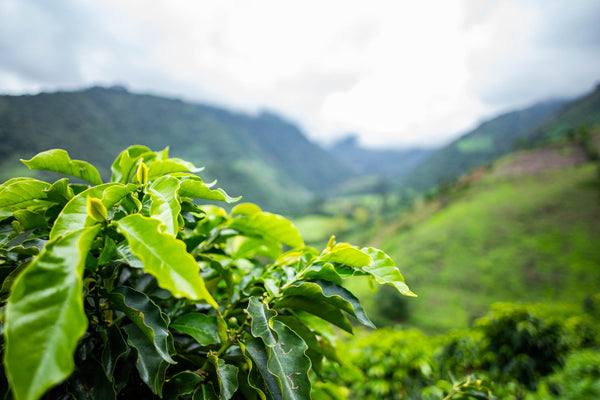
130, 289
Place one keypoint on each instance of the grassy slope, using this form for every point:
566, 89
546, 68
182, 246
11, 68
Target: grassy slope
529, 238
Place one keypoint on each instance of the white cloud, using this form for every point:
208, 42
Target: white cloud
398, 73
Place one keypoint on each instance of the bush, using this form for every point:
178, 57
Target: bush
130, 289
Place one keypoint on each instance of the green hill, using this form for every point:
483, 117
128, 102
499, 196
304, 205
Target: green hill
527, 231
265, 157
478, 147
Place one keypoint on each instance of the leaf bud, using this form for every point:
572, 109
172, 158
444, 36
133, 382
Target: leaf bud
96, 209
142, 173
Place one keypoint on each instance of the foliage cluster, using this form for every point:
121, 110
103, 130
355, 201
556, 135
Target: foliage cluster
130, 289
515, 352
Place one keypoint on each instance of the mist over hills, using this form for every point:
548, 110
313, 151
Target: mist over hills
264, 157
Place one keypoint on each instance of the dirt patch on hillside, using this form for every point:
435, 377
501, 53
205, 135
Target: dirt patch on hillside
536, 161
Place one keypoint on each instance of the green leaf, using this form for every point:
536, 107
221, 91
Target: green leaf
261, 316
194, 187
165, 257
60, 192
30, 220
271, 227
321, 309
329, 292
182, 383
160, 168
256, 350
45, 316
385, 271
58, 160
202, 327
165, 202
115, 347
245, 209
205, 392
345, 254
227, 374
75, 216
147, 316
20, 190
286, 370
124, 165
150, 364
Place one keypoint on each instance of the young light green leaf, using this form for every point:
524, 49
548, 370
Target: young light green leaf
124, 165
195, 188
345, 254
245, 209
75, 216
165, 257
385, 271
271, 227
58, 160
160, 168
147, 316
45, 316
329, 292
21, 190
202, 327
165, 204
261, 316
150, 364
30, 220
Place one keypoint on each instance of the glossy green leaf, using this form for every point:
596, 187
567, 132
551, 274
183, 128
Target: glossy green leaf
195, 188
165, 202
321, 309
329, 292
205, 392
271, 227
245, 209
164, 257
286, 361
256, 350
30, 220
227, 376
124, 165
45, 316
202, 327
326, 272
261, 316
147, 316
385, 271
182, 383
60, 192
75, 216
345, 254
115, 348
150, 364
58, 160
160, 168
20, 190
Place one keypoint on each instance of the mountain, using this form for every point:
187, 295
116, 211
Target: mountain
488, 141
264, 157
525, 230
584, 111
388, 164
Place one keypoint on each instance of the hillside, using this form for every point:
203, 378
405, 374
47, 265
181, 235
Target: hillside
526, 231
488, 141
264, 157
584, 111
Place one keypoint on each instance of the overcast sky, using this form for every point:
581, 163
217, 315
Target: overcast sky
398, 73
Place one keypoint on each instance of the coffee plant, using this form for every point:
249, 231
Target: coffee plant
132, 289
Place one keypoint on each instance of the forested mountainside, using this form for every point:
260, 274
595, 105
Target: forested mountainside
265, 157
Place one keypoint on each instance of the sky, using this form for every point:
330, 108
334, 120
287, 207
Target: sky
397, 73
